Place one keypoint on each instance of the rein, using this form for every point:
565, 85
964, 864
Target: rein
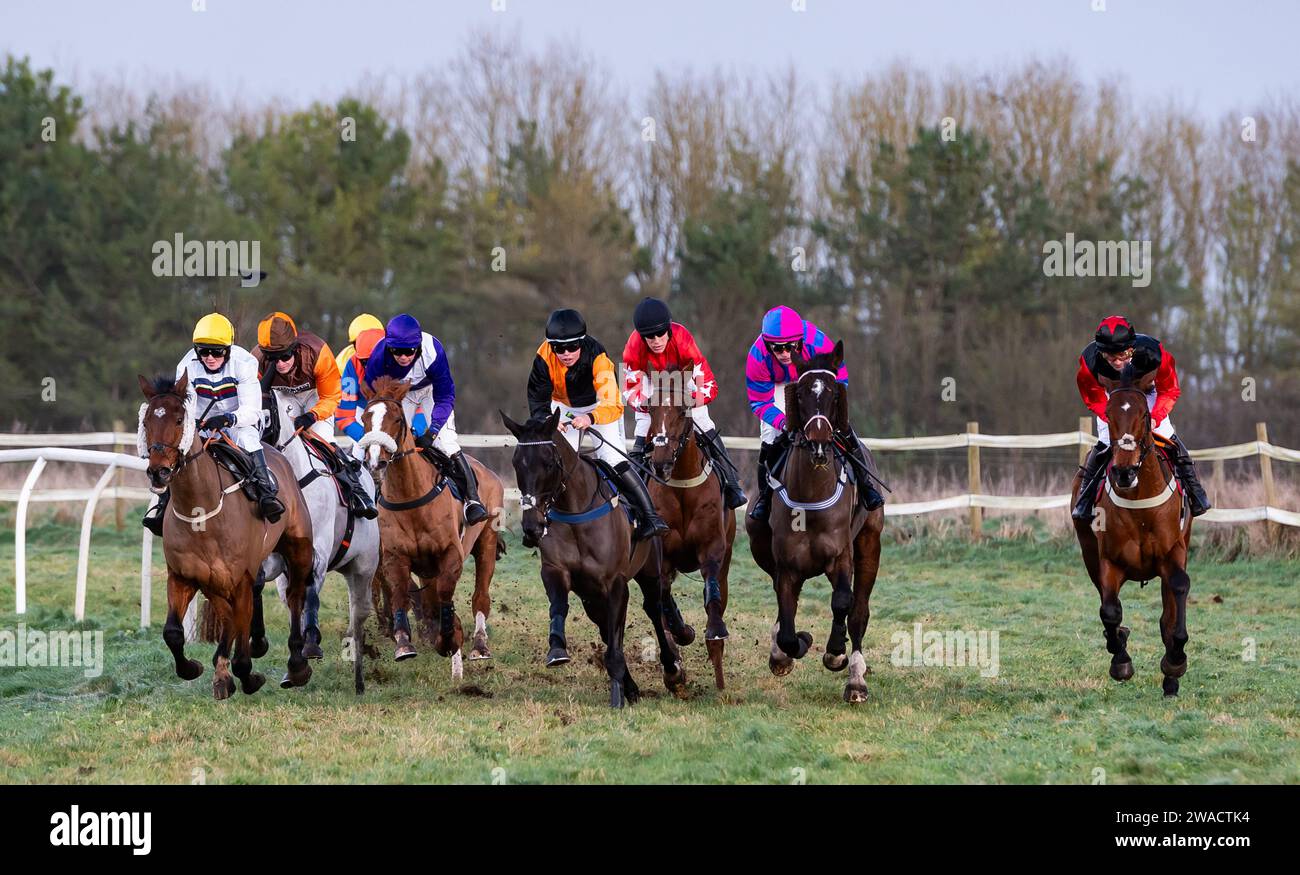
1140, 503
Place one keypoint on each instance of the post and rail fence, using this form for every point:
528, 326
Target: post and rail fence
39, 449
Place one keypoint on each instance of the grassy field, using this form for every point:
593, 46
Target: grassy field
1051, 715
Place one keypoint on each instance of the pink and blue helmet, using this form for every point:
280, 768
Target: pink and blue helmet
782, 324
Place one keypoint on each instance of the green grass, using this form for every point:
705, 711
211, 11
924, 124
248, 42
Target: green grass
1051, 715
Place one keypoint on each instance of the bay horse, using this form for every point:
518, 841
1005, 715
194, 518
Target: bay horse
1142, 529
687, 493
341, 540
421, 532
218, 549
817, 526
574, 516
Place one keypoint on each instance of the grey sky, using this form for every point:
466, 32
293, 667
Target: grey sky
1216, 55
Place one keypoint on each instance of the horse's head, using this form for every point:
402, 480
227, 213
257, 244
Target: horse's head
539, 470
816, 404
284, 408
1129, 420
669, 401
167, 428
387, 432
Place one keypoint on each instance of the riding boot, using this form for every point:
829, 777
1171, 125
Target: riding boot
1093, 469
732, 494
1185, 470
767, 454
360, 502
153, 519
463, 473
637, 453
267, 503
649, 523
868, 496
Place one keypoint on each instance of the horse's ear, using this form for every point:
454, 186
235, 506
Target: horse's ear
1147, 381
552, 422
400, 390
146, 386
181, 387
1108, 384
363, 388
837, 355
511, 426
792, 417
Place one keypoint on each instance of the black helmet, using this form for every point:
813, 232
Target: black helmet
651, 317
1115, 334
566, 325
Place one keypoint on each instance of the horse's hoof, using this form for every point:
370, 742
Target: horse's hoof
404, 651
1121, 671
479, 651
312, 651
252, 683
189, 670
1171, 687
557, 656
299, 674
631, 692
675, 681
835, 661
716, 632
1170, 670
685, 636
286, 683
780, 667
223, 688
855, 694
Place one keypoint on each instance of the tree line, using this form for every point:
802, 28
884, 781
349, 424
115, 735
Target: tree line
903, 212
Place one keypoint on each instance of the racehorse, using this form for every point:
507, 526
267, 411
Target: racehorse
818, 526
420, 526
1142, 529
687, 492
574, 516
219, 551
342, 541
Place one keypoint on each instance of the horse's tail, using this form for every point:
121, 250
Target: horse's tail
209, 623
501, 546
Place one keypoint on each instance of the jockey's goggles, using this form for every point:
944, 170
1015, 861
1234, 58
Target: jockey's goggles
281, 355
789, 346
655, 333
404, 350
215, 352
565, 346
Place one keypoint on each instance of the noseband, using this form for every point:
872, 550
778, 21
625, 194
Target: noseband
1149, 442
802, 438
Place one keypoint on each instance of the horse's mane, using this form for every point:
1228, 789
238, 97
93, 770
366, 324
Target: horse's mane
384, 386
163, 384
1128, 377
823, 360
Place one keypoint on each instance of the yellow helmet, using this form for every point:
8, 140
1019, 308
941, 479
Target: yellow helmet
214, 329
362, 323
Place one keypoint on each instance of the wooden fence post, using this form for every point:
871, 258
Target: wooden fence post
1217, 481
1266, 474
973, 481
118, 426
1085, 426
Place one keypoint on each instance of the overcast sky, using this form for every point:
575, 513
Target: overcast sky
1214, 55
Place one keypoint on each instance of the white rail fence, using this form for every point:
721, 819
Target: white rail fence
40, 449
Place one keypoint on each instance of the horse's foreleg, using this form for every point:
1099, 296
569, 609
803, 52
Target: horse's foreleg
622, 688
223, 685
297, 552
716, 633
359, 575
179, 595
556, 582
841, 578
311, 614
1173, 626
396, 572
258, 645
786, 645
652, 586
1112, 614
866, 565
715, 599
485, 563
242, 665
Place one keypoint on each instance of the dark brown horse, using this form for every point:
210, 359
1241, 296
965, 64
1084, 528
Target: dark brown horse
420, 531
215, 543
1142, 529
701, 528
585, 538
817, 527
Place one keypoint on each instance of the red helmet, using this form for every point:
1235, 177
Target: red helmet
1115, 334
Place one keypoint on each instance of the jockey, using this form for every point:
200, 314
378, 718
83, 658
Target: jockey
301, 365
409, 354
660, 344
769, 368
223, 389
351, 403
571, 373
1116, 344
364, 322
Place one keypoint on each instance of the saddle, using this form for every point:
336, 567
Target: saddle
239, 464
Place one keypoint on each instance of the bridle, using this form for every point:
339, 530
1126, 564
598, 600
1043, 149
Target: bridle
542, 501
158, 447
678, 442
1148, 442
801, 437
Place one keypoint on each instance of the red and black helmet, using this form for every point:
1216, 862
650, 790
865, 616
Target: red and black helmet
1115, 334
